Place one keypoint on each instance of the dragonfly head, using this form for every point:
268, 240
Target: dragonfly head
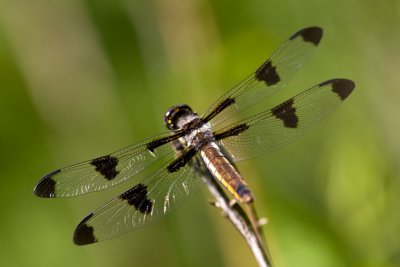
175, 114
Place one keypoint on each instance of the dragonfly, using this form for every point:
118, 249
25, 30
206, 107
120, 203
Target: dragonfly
165, 169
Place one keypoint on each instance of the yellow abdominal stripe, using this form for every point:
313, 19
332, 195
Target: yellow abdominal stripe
227, 186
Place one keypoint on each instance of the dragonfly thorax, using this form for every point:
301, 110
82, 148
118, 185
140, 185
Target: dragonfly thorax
182, 117
200, 136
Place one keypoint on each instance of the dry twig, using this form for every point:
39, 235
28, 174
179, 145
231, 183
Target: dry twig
239, 218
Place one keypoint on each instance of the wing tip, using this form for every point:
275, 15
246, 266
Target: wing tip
46, 186
342, 87
83, 234
310, 34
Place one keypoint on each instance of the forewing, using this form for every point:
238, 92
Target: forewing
284, 123
106, 171
145, 203
268, 78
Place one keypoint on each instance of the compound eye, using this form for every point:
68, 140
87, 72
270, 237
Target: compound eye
174, 114
169, 123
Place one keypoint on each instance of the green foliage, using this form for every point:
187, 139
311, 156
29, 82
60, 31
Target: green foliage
84, 78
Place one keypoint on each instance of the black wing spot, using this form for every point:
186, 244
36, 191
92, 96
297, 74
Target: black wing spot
312, 35
106, 166
341, 87
137, 197
287, 113
224, 104
181, 160
47, 186
231, 132
151, 146
220, 107
84, 233
268, 74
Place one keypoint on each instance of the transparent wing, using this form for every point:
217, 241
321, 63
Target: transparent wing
269, 77
106, 171
145, 203
273, 129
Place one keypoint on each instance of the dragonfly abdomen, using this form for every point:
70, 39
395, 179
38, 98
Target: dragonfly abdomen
224, 171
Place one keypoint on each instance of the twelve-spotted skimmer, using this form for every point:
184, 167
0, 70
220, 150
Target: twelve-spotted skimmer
210, 141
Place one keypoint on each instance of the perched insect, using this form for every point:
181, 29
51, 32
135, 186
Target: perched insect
209, 142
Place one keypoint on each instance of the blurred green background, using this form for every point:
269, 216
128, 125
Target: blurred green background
82, 78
